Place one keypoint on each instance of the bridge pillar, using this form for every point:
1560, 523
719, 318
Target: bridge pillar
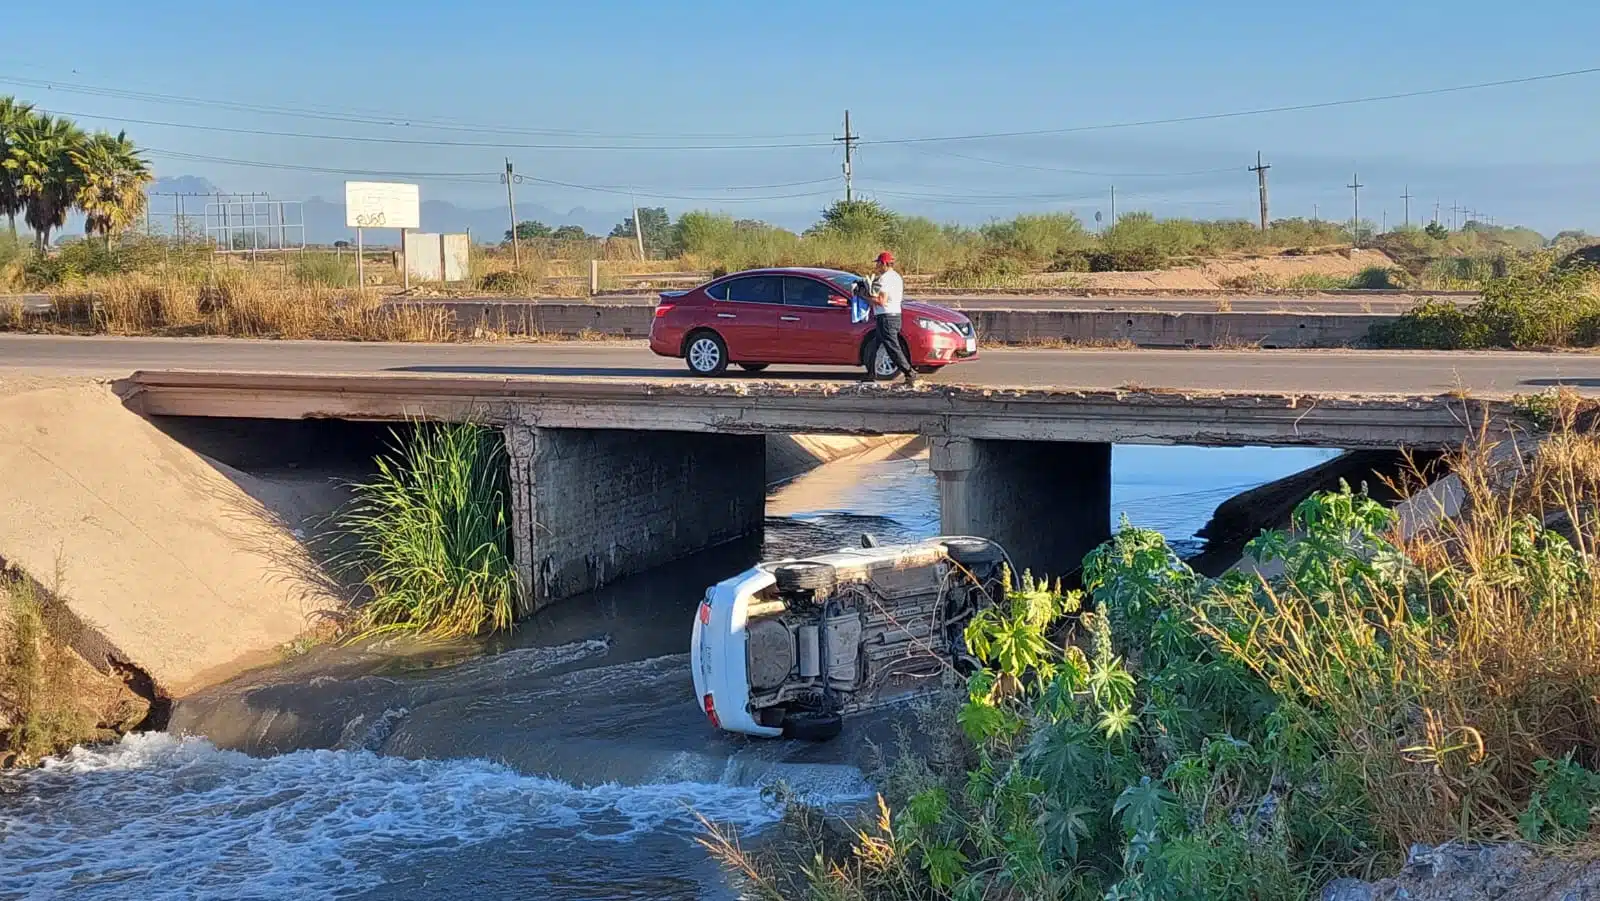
1047, 502
590, 506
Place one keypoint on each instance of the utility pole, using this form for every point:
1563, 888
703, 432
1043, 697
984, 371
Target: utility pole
1314, 212
1454, 208
1113, 205
1436, 211
511, 208
1260, 169
1355, 187
1407, 198
849, 142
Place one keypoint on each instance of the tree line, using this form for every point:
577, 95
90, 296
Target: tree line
50, 167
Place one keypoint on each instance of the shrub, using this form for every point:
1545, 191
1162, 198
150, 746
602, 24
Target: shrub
1038, 239
1379, 278
430, 535
1430, 325
1164, 735
1536, 303
39, 711
990, 269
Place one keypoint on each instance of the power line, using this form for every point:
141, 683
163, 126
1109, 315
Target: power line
368, 117
1206, 117
885, 141
1036, 168
367, 139
483, 178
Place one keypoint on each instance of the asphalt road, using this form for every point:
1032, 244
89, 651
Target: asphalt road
1328, 372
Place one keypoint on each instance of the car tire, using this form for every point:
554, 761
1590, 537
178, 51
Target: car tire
812, 725
753, 367
817, 577
973, 553
706, 353
880, 367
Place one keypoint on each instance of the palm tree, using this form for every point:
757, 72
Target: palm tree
50, 180
13, 113
111, 178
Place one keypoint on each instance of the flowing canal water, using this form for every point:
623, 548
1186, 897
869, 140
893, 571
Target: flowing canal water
565, 761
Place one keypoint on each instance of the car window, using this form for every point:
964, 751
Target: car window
846, 281
718, 291
755, 289
805, 292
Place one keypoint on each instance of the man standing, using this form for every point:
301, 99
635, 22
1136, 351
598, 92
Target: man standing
888, 290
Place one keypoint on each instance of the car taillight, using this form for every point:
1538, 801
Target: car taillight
705, 614
711, 711
663, 309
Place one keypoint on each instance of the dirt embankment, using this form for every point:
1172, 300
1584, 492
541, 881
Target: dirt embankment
1279, 270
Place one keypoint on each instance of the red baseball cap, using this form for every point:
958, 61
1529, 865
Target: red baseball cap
886, 258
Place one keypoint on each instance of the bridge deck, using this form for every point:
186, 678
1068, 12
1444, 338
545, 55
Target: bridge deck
1048, 414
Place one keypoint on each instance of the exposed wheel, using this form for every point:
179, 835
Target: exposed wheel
753, 367
880, 366
812, 725
973, 553
818, 577
706, 353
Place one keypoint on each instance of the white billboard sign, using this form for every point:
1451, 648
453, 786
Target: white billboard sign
381, 204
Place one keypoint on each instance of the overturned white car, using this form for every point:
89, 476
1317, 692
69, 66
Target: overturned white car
790, 648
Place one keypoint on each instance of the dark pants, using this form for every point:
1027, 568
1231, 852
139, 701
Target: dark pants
889, 337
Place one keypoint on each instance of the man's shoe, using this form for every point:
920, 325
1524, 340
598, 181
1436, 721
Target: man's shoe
911, 378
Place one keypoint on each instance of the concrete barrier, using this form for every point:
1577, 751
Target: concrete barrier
1146, 329
1175, 329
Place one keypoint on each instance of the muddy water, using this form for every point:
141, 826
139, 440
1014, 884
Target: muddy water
563, 762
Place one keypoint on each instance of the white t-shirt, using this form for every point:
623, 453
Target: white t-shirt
888, 291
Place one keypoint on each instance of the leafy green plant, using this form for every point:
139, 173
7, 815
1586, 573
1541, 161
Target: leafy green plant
1562, 807
430, 535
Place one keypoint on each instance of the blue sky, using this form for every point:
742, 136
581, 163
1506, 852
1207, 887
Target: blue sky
748, 72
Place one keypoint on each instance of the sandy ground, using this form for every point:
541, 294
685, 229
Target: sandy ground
1216, 274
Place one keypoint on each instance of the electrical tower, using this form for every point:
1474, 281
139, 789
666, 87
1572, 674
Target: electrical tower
1407, 198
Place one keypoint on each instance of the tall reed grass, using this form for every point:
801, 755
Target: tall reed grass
429, 535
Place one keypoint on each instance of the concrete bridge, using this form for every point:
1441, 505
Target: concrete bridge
611, 476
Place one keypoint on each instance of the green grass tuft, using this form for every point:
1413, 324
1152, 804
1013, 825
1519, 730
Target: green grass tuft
430, 535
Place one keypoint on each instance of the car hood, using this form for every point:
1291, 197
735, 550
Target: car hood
931, 311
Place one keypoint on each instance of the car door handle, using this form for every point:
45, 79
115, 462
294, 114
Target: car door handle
727, 316
790, 318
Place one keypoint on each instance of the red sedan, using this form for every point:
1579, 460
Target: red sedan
763, 316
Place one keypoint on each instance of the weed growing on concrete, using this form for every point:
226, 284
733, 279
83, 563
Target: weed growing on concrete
1164, 735
430, 535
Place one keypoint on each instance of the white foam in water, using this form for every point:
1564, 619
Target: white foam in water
157, 817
